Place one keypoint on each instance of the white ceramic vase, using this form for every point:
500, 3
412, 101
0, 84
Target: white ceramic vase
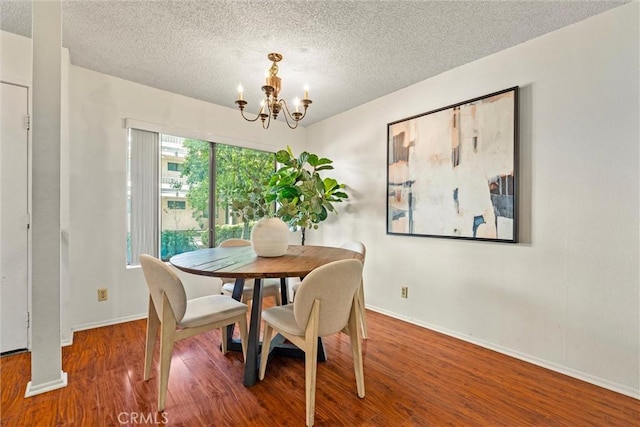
270, 237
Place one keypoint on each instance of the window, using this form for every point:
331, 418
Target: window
176, 204
170, 193
175, 167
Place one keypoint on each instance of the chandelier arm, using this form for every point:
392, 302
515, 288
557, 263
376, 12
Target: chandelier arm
303, 115
292, 127
249, 120
267, 114
305, 107
286, 113
286, 107
267, 124
286, 119
267, 104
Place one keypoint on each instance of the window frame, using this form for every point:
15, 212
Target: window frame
130, 124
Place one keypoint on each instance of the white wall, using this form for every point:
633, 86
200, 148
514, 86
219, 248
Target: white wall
98, 106
567, 296
17, 59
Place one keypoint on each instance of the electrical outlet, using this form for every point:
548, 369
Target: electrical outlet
103, 295
405, 292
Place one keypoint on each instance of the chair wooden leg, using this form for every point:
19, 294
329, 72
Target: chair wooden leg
223, 343
153, 322
244, 337
167, 332
278, 298
266, 343
247, 300
310, 369
363, 314
356, 348
311, 361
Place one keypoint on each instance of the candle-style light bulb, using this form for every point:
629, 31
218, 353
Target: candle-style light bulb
261, 106
296, 102
306, 91
240, 90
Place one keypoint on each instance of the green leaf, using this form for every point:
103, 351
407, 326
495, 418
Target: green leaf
329, 206
324, 168
316, 205
283, 156
330, 184
302, 159
324, 161
340, 194
289, 192
313, 160
323, 214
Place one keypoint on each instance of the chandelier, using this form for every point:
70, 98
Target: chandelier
272, 106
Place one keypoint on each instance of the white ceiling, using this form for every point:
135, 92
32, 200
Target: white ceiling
348, 52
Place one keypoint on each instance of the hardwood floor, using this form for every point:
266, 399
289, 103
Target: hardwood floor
413, 377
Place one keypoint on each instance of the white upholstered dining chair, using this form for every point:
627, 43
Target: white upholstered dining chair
360, 248
325, 304
270, 287
178, 318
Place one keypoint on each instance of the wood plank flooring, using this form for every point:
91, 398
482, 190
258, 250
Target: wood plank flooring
413, 377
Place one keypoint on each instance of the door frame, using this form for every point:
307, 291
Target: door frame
28, 86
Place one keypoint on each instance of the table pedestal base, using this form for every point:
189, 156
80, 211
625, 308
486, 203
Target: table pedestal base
254, 347
279, 347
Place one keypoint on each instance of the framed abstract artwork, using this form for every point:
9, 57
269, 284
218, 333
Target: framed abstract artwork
452, 172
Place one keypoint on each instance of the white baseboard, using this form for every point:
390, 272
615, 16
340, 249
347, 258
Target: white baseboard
33, 390
600, 382
68, 341
109, 322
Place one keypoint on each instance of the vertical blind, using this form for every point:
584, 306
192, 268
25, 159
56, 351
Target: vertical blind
145, 199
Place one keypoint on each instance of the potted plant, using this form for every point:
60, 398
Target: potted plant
303, 197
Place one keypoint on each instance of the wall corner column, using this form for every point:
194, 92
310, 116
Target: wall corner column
46, 353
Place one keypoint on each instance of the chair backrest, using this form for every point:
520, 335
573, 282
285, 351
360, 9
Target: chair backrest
356, 247
161, 279
234, 242
335, 285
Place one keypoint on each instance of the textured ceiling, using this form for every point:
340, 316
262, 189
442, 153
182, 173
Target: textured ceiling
348, 52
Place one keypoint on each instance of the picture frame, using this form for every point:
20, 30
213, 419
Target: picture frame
453, 172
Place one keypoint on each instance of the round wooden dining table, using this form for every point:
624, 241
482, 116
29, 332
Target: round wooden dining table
241, 263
